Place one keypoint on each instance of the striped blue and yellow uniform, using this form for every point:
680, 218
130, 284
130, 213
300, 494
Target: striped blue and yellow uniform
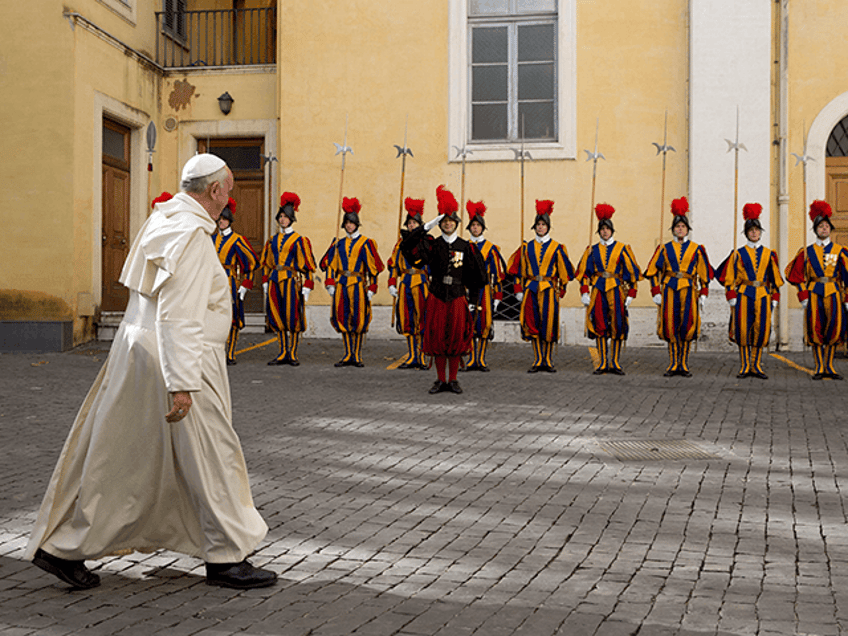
287, 266
608, 273
542, 269
352, 266
751, 275
820, 273
680, 273
484, 310
240, 261
412, 286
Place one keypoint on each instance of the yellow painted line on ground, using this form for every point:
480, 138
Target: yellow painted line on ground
257, 346
396, 363
792, 364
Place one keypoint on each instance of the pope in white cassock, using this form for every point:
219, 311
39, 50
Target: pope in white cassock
152, 460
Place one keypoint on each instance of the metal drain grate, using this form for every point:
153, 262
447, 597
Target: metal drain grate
652, 449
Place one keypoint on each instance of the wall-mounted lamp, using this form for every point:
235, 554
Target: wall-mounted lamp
225, 103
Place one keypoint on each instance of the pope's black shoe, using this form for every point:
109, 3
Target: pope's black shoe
453, 387
73, 573
241, 576
438, 387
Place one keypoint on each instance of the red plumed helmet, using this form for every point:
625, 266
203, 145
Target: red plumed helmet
415, 207
232, 205
679, 207
165, 196
447, 203
351, 205
820, 208
751, 211
544, 206
604, 211
289, 198
475, 209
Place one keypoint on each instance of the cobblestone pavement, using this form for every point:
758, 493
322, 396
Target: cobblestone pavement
504, 510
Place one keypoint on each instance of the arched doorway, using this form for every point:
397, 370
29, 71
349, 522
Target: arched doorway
836, 179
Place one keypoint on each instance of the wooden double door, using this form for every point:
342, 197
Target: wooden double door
837, 196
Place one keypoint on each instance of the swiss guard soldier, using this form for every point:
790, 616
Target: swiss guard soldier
751, 277
352, 265
608, 274
240, 261
409, 287
457, 275
491, 295
543, 269
287, 267
676, 272
820, 272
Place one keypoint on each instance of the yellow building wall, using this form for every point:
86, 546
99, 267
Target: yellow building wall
375, 67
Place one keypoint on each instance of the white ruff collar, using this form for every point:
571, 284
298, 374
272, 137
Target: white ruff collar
477, 239
353, 236
753, 245
542, 239
608, 242
450, 238
823, 242
226, 232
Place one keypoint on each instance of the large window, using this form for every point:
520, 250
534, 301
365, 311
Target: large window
174, 18
513, 70
512, 78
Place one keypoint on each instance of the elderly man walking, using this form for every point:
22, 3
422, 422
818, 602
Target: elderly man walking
152, 460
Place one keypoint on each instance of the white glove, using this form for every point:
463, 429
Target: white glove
429, 225
471, 307
305, 291
393, 291
806, 302
519, 296
242, 292
585, 299
495, 304
732, 302
658, 299
370, 294
627, 301
702, 302
331, 289
773, 304
265, 287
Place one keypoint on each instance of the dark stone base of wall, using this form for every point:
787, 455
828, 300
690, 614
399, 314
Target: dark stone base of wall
17, 336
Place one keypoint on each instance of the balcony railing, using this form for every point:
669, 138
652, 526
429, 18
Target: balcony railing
232, 37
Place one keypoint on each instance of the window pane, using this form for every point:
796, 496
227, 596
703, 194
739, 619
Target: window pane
490, 45
488, 7
536, 81
534, 6
488, 122
239, 157
536, 43
489, 83
113, 144
538, 120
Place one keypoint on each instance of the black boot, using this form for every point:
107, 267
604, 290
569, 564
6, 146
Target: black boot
72, 572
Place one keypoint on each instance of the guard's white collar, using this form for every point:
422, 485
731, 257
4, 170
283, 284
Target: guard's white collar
608, 241
226, 232
542, 239
477, 239
353, 236
753, 245
682, 241
449, 238
823, 242
286, 230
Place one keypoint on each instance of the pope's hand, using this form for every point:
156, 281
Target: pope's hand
182, 404
585, 299
393, 291
658, 299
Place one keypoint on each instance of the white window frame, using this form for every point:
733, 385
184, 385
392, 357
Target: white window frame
127, 9
459, 102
